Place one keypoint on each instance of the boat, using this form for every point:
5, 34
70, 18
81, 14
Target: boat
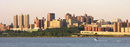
96, 39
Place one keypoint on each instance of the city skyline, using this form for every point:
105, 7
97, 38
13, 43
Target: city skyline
65, 23
101, 9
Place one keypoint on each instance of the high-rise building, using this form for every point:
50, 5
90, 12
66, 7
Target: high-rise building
81, 19
78, 18
89, 19
42, 22
119, 27
26, 21
64, 23
39, 23
50, 17
115, 27
68, 16
56, 24
45, 25
21, 21
2, 27
128, 26
86, 19
8, 27
36, 23
15, 21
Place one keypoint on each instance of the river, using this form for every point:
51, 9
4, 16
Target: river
65, 42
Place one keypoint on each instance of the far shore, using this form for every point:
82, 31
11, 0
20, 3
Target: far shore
65, 37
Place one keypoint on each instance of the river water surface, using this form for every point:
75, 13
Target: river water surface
65, 42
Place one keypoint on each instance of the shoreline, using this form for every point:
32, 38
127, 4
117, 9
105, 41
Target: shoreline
64, 37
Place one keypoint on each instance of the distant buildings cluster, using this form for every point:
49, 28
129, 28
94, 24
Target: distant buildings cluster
4, 27
122, 27
75, 21
116, 27
21, 23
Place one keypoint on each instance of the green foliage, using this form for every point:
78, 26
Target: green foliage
52, 32
58, 32
81, 27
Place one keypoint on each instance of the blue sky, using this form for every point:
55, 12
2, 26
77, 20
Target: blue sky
99, 9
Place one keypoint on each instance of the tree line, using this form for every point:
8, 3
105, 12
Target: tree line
52, 32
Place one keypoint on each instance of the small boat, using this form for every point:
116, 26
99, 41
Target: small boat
96, 39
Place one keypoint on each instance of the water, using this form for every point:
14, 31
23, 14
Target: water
65, 42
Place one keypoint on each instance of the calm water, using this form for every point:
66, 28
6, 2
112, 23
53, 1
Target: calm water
64, 42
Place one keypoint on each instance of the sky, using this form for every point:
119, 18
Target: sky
99, 9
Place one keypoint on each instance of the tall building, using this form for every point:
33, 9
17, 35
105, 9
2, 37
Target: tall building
56, 24
21, 21
45, 25
42, 22
85, 18
89, 19
119, 27
15, 21
39, 23
123, 27
36, 23
64, 23
2, 27
68, 16
115, 27
8, 27
50, 17
78, 18
26, 21
128, 26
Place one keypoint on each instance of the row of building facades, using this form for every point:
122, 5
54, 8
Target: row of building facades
117, 27
21, 22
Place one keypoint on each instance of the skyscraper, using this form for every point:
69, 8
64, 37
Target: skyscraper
21, 21
50, 17
115, 27
15, 21
39, 23
89, 19
119, 27
68, 16
36, 23
26, 21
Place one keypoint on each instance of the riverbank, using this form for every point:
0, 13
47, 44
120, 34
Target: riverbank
70, 36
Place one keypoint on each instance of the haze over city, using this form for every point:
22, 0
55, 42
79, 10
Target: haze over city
99, 9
